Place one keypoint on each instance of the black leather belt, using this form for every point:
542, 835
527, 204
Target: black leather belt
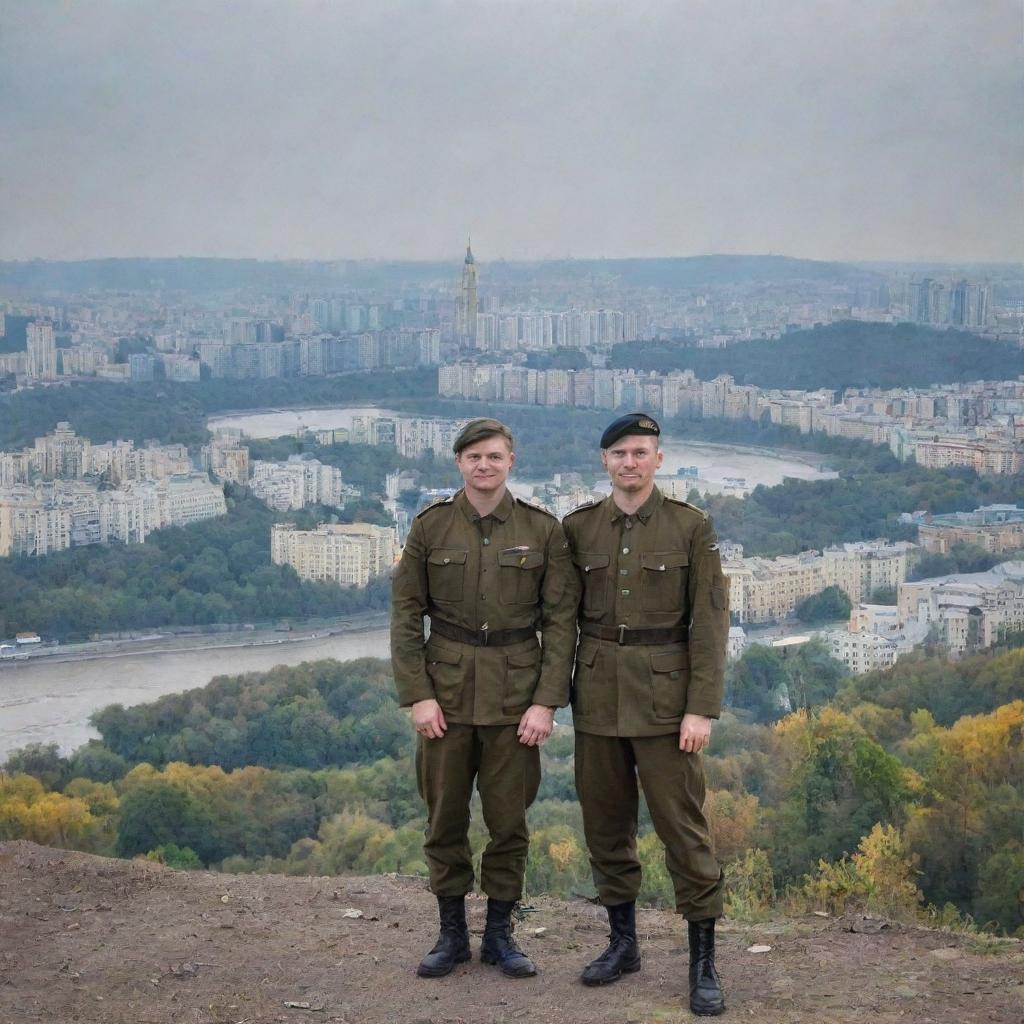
482, 637
627, 636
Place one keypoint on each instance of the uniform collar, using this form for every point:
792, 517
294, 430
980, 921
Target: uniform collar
501, 512
643, 513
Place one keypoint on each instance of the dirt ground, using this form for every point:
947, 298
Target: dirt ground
93, 940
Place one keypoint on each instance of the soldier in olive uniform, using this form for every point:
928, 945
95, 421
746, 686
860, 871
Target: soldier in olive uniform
653, 622
490, 571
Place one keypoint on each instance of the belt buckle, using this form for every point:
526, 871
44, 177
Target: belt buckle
622, 633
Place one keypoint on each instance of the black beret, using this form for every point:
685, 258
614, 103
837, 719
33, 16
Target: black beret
631, 423
480, 430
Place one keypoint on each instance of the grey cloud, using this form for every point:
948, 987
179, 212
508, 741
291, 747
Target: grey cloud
822, 128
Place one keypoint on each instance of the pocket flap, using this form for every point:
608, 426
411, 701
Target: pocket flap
525, 659
447, 556
443, 654
659, 561
669, 661
592, 561
587, 654
521, 559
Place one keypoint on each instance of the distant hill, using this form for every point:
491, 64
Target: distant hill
684, 271
195, 274
842, 355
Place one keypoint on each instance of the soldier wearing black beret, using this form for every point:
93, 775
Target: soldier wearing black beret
490, 571
653, 621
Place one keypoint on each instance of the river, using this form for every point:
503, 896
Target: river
50, 702
716, 463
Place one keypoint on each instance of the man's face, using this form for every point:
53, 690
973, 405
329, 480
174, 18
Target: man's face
632, 462
485, 465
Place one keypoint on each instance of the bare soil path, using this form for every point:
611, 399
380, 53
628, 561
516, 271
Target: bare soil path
86, 939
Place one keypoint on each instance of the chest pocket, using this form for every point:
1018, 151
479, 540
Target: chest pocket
663, 577
446, 572
593, 570
519, 574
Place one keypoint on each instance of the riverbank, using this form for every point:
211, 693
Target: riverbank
52, 699
816, 460
272, 410
167, 643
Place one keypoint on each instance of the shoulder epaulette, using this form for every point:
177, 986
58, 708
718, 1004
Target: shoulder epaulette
693, 508
536, 508
436, 504
579, 508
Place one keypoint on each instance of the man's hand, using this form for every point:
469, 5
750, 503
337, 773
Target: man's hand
694, 733
428, 718
535, 725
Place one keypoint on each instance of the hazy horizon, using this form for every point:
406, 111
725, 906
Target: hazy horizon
853, 131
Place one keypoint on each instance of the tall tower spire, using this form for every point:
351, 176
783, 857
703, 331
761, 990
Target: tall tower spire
466, 305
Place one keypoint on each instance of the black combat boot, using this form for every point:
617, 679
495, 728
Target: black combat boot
705, 988
452, 946
499, 947
622, 955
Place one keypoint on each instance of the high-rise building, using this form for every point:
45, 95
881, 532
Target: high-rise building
467, 304
42, 351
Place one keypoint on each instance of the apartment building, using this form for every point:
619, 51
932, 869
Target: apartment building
299, 482
765, 589
995, 528
859, 569
350, 554
967, 611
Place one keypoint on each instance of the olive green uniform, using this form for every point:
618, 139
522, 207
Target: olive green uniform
509, 570
656, 569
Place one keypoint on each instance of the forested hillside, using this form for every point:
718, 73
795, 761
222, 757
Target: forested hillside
850, 354
901, 791
176, 413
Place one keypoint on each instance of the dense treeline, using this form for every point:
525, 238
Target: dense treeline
215, 571
864, 503
831, 605
316, 715
767, 683
176, 413
851, 354
892, 791
961, 558
105, 411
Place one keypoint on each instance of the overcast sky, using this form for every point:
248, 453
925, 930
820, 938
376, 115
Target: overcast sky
830, 129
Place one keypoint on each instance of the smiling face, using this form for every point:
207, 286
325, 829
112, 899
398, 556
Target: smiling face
485, 465
631, 462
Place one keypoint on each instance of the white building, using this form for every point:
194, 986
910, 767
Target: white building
49, 516
862, 652
299, 482
737, 642
350, 554
42, 351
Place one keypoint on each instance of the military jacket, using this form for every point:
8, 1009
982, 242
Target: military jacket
657, 568
507, 570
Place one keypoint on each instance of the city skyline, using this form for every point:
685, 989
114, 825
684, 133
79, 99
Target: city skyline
850, 131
